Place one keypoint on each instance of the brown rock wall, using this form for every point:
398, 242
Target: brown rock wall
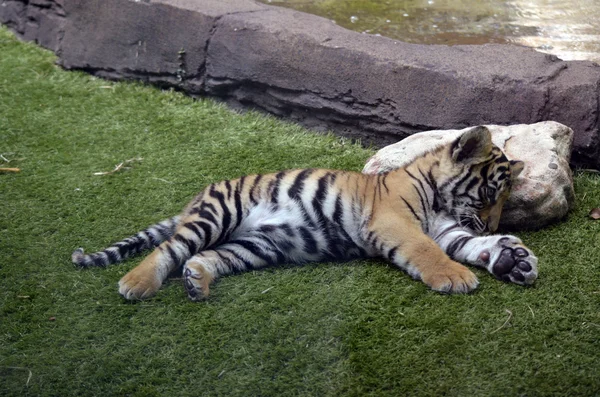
308, 69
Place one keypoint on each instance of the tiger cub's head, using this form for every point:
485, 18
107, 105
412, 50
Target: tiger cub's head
476, 180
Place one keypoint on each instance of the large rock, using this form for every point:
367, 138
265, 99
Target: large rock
544, 191
306, 68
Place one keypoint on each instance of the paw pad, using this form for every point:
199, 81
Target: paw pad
517, 265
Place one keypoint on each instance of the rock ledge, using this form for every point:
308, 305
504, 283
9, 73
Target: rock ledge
308, 69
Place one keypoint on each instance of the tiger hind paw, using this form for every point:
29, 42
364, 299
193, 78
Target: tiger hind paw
196, 280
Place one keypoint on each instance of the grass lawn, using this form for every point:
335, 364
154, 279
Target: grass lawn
361, 328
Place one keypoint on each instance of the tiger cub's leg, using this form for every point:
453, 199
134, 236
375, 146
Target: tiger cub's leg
503, 256
417, 254
204, 268
145, 279
199, 229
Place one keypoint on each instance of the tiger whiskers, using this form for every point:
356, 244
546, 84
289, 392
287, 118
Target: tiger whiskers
468, 219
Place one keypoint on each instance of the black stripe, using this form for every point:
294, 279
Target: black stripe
472, 198
136, 244
307, 218
460, 181
448, 230
296, 188
228, 187
207, 232
123, 247
227, 261
207, 215
238, 257
383, 181
204, 205
331, 232
253, 188
287, 229
226, 218
278, 177
255, 250
369, 236
284, 246
174, 258
321, 190
437, 200
274, 248
431, 180
374, 242
310, 244
267, 228
474, 181
426, 178
484, 172
335, 246
190, 244
332, 178
98, 259
163, 231
346, 242
423, 207
240, 185
457, 245
112, 256
194, 228
392, 253
323, 185
237, 199
421, 185
412, 210
338, 213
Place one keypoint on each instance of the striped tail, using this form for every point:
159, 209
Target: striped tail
146, 239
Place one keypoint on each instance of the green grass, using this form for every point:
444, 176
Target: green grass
362, 328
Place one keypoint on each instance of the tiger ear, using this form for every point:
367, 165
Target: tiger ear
516, 167
472, 146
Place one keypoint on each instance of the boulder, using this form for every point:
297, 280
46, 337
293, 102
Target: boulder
544, 191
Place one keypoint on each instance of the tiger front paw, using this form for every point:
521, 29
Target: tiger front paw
511, 261
453, 278
139, 284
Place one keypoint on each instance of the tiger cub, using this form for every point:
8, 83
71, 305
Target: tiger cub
425, 218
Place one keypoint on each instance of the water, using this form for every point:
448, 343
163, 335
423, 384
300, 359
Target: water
569, 29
